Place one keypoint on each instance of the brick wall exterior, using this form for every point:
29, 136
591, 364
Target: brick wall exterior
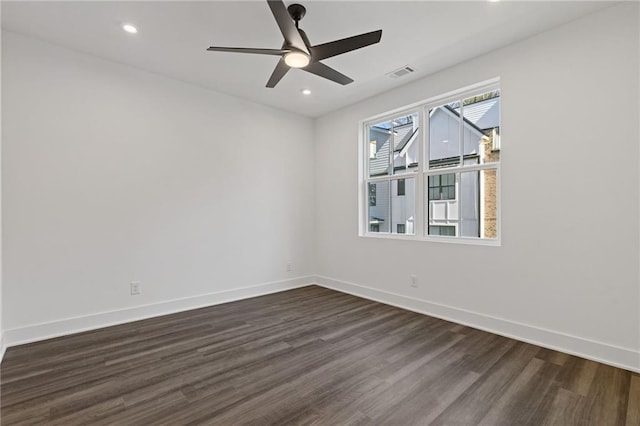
490, 192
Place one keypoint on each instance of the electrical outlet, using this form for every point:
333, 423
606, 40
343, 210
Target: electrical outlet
413, 280
135, 288
289, 266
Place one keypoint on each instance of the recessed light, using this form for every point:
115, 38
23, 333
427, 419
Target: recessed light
129, 28
306, 91
494, 1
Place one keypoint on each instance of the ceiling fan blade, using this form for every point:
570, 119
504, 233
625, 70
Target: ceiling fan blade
279, 72
248, 50
322, 70
338, 47
287, 27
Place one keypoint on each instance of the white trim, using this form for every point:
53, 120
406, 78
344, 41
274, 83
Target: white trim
605, 353
491, 242
462, 169
37, 332
363, 170
444, 98
3, 347
385, 178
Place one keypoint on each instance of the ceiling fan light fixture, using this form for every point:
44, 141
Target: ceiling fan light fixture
296, 59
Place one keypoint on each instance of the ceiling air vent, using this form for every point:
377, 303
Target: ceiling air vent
400, 72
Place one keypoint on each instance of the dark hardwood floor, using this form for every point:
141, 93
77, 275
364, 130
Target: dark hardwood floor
307, 356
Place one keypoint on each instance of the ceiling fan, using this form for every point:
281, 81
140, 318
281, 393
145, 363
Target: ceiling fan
297, 52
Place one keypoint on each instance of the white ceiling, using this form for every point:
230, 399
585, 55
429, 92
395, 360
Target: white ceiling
173, 36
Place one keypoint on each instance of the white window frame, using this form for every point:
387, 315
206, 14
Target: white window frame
421, 174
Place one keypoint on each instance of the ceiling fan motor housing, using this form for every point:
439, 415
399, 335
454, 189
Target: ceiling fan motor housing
296, 11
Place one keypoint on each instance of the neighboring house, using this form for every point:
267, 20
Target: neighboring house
405, 157
463, 204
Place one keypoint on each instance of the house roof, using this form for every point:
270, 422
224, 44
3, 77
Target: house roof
405, 135
484, 114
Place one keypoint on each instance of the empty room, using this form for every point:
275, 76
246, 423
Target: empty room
275, 212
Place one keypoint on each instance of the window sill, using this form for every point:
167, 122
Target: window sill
447, 240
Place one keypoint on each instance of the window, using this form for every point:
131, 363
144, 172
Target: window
372, 195
442, 187
435, 174
373, 149
401, 190
442, 230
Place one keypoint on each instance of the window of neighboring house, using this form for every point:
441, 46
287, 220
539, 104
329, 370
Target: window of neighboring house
372, 195
442, 187
449, 231
436, 169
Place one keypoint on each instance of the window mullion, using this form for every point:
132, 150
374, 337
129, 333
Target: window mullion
363, 210
459, 174
389, 200
461, 135
467, 168
423, 125
392, 144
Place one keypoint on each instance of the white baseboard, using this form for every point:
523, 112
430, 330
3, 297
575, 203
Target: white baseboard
3, 347
628, 359
616, 356
37, 332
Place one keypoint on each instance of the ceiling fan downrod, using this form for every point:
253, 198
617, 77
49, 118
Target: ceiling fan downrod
296, 11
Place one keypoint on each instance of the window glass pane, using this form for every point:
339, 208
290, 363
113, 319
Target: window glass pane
470, 204
444, 135
442, 204
393, 145
405, 143
482, 126
378, 217
403, 207
379, 141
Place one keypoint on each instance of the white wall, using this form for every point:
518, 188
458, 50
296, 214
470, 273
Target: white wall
2, 346
111, 175
566, 274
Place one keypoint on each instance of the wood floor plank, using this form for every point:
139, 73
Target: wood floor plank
565, 409
633, 405
310, 356
522, 402
608, 397
471, 407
